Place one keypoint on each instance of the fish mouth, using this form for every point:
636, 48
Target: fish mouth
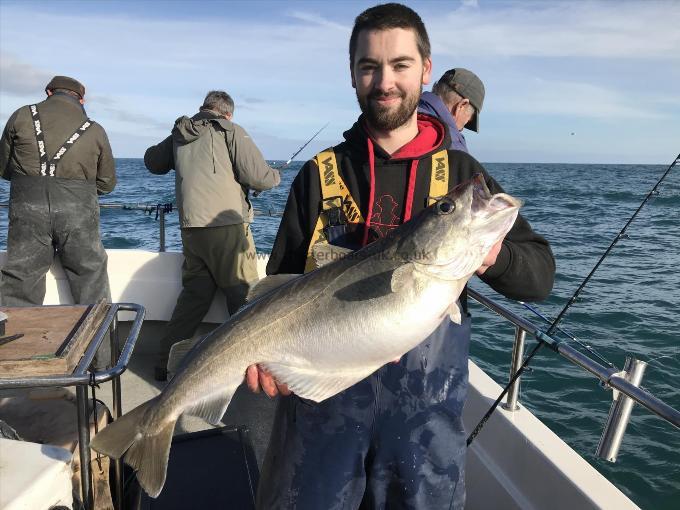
492, 216
485, 205
483, 220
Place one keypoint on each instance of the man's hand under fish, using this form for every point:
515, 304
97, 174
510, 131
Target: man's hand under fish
257, 378
491, 257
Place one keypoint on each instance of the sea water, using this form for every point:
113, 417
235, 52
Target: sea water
630, 307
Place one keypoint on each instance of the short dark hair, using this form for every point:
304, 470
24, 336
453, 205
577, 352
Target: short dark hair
385, 17
218, 101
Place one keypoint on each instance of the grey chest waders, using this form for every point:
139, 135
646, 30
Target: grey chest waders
49, 214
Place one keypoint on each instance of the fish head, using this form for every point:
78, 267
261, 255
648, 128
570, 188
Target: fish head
453, 236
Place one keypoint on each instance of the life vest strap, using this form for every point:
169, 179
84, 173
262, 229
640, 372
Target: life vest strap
439, 180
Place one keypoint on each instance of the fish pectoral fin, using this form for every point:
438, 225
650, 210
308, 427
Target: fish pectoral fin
402, 276
324, 253
454, 313
314, 384
267, 284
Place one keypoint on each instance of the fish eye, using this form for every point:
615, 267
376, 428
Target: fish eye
445, 206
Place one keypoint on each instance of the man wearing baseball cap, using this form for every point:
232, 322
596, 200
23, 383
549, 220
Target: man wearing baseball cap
58, 161
456, 99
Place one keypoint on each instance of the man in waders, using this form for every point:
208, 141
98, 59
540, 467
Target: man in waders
216, 163
456, 100
58, 161
396, 439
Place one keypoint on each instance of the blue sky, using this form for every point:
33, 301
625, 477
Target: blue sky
608, 72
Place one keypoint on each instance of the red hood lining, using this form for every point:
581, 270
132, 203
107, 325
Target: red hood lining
430, 136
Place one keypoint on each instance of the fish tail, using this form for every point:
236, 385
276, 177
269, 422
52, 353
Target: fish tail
144, 448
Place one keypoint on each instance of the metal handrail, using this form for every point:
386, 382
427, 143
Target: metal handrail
609, 376
81, 375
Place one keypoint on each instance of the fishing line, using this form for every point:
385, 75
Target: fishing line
566, 307
653, 360
584, 345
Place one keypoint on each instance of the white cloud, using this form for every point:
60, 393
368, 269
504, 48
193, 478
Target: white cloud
319, 20
571, 99
611, 29
18, 77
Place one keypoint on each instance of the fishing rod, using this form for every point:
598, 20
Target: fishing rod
256, 193
302, 148
553, 345
587, 347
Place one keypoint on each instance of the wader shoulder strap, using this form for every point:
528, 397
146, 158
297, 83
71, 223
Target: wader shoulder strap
40, 138
337, 204
439, 180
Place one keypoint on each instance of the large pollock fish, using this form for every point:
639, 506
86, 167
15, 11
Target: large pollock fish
322, 332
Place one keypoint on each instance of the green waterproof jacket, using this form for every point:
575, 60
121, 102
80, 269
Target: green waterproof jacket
89, 158
216, 163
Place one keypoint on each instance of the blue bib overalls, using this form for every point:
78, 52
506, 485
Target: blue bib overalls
393, 441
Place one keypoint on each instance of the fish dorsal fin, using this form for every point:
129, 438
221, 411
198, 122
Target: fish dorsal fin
324, 253
402, 276
268, 283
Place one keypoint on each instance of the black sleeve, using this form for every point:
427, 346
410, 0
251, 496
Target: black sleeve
525, 267
159, 158
7, 146
297, 225
106, 166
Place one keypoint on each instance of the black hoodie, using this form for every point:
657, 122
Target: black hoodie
525, 267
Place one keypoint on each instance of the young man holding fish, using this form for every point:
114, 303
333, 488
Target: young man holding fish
395, 439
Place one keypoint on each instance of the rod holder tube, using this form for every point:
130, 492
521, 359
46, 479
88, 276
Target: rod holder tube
84, 447
517, 358
117, 413
161, 226
619, 413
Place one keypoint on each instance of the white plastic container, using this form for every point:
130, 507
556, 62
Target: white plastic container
34, 476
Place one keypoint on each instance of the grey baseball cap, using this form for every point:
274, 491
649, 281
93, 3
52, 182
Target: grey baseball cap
467, 85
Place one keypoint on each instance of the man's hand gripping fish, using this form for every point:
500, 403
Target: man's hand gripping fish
324, 331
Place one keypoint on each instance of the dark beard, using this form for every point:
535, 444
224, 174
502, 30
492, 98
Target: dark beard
386, 119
